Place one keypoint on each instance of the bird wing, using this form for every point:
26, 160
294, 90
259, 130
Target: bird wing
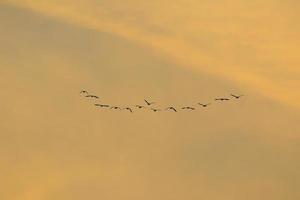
146, 101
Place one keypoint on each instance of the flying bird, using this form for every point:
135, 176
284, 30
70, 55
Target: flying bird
115, 107
83, 92
129, 109
101, 105
148, 103
171, 108
222, 99
92, 96
204, 105
139, 106
236, 96
155, 110
188, 108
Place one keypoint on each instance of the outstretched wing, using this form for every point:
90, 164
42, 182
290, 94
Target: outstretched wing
146, 101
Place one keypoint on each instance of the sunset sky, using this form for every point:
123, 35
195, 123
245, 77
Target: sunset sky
54, 144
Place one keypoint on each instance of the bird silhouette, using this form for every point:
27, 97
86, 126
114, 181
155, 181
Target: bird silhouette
188, 108
148, 106
139, 106
236, 96
148, 103
101, 105
155, 109
83, 92
204, 105
92, 96
222, 99
171, 108
115, 107
129, 109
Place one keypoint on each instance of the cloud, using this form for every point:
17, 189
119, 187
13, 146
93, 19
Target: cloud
57, 145
252, 43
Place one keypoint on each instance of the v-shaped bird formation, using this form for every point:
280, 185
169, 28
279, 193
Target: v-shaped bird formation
152, 106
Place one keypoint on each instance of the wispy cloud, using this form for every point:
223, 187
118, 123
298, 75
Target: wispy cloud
56, 145
247, 42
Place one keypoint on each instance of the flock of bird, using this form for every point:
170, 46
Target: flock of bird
148, 104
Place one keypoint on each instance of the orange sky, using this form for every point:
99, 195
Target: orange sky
55, 145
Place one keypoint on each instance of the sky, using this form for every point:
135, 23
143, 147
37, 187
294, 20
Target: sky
54, 144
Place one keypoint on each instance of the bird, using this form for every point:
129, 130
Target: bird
83, 92
222, 99
171, 108
101, 105
148, 103
129, 109
188, 108
115, 107
92, 96
155, 110
139, 106
204, 105
236, 96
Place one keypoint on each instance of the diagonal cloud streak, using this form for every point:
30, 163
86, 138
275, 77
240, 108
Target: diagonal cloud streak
252, 43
